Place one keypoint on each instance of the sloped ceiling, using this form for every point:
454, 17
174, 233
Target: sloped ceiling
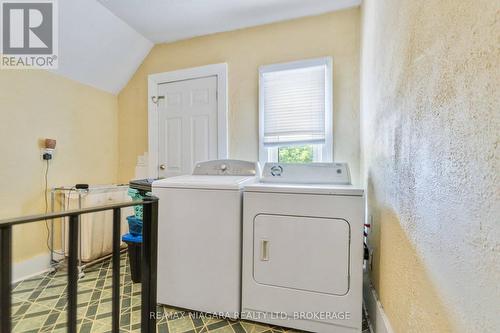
96, 47
170, 20
102, 43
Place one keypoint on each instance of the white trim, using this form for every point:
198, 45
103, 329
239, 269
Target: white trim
379, 323
328, 147
219, 70
34, 266
327, 153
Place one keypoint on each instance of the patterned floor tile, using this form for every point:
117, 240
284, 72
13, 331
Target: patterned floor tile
39, 305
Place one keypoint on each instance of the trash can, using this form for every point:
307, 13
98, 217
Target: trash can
134, 244
134, 225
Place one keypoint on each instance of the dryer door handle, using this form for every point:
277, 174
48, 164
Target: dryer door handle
264, 250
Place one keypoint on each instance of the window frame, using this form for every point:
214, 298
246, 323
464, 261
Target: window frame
265, 154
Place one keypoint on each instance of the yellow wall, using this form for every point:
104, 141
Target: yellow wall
430, 87
35, 105
335, 34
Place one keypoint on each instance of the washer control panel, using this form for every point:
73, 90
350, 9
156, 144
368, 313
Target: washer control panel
307, 173
226, 167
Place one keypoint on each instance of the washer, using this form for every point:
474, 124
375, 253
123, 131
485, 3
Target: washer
199, 237
303, 248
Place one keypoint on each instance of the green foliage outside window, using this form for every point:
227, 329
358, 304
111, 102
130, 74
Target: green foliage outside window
295, 154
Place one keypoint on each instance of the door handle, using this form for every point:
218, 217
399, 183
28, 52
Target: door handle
163, 166
264, 250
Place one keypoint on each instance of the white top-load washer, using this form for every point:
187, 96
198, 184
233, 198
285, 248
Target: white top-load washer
199, 236
303, 248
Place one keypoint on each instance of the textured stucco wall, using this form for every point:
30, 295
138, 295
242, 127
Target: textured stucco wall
333, 34
430, 157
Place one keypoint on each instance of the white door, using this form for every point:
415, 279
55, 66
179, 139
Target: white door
187, 125
304, 253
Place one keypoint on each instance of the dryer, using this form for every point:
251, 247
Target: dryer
199, 237
303, 248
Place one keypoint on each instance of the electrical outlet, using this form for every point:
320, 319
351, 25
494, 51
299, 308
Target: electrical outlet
370, 260
47, 154
368, 230
42, 153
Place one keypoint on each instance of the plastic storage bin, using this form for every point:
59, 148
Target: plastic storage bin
134, 225
134, 244
136, 195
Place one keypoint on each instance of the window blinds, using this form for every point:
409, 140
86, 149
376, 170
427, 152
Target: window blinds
294, 106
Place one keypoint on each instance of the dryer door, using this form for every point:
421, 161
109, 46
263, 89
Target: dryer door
303, 253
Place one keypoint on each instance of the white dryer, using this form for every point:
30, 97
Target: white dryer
303, 248
199, 237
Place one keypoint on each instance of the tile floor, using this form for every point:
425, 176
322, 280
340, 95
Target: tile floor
39, 305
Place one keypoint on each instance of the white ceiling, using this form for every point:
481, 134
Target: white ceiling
170, 20
96, 47
103, 45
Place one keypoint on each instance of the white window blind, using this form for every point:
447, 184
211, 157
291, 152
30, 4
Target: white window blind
294, 106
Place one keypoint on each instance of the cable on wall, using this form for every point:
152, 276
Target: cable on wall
46, 190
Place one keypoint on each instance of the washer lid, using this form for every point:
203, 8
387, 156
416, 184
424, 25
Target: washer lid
205, 182
305, 189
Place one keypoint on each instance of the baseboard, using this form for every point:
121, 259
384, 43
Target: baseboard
34, 266
379, 323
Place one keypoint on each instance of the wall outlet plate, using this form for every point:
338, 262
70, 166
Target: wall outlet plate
370, 259
368, 230
45, 152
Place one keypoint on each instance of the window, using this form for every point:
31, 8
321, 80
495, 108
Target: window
295, 112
